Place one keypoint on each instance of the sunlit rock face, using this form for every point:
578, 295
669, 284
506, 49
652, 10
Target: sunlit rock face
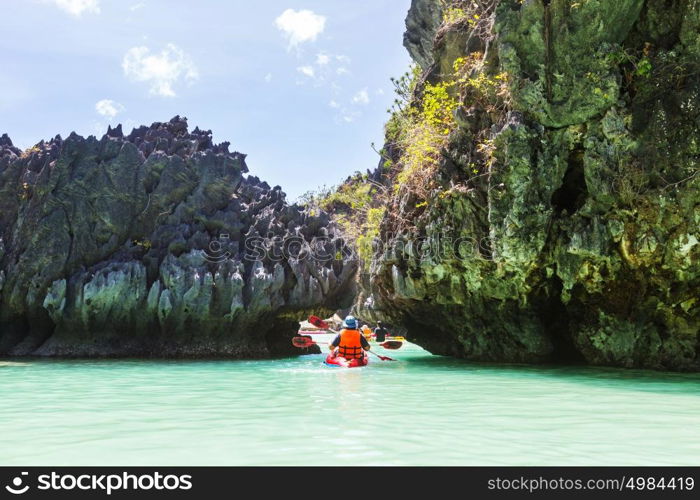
577, 240
156, 244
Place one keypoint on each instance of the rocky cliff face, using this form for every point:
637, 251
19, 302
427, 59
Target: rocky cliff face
562, 223
155, 244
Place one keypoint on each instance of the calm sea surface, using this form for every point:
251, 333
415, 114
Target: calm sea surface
419, 410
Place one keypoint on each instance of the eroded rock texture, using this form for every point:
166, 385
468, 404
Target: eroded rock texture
155, 244
578, 238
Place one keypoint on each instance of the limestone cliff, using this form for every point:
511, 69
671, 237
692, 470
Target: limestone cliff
559, 221
155, 244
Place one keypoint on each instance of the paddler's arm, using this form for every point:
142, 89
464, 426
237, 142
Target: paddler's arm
365, 344
335, 343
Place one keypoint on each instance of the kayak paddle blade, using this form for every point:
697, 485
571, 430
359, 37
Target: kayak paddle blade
302, 342
392, 344
318, 322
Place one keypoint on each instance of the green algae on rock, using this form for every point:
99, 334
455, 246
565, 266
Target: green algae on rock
566, 217
155, 244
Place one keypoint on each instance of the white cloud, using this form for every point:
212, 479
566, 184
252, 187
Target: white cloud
349, 116
137, 6
379, 91
307, 70
268, 78
342, 113
322, 59
323, 70
362, 97
108, 108
300, 26
77, 7
162, 70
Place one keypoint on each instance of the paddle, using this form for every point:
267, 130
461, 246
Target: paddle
320, 323
308, 342
391, 344
304, 342
323, 325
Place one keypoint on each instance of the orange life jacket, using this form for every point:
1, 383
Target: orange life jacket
350, 346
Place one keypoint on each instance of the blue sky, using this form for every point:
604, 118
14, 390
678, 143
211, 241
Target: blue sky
301, 87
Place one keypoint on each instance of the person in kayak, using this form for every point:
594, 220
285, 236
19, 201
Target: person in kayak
380, 332
350, 342
367, 332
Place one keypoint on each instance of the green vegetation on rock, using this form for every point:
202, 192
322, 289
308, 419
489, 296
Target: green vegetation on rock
542, 174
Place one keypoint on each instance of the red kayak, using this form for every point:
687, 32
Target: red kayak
342, 362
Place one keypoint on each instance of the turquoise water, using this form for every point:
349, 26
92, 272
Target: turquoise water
420, 410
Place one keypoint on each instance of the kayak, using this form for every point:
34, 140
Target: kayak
344, 363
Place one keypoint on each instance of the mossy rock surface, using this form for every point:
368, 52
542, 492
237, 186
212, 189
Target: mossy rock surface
582, 229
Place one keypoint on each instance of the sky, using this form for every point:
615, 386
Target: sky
301, 87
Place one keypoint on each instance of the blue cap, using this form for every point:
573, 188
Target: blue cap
350, 322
